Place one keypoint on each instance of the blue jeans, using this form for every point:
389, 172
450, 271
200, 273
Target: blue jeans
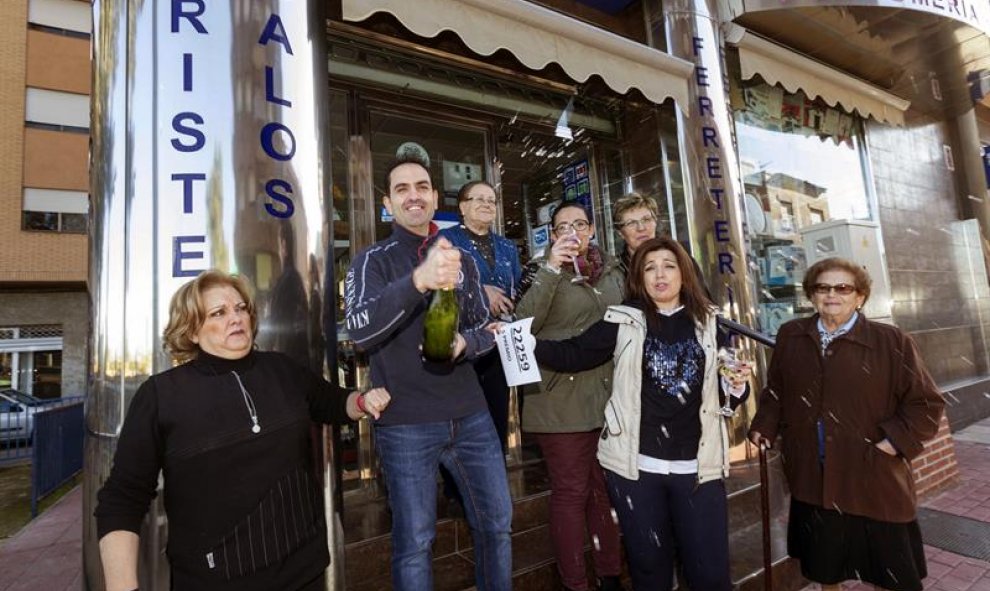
469, 448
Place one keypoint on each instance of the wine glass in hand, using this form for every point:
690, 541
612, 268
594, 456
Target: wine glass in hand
735, 369
572, 235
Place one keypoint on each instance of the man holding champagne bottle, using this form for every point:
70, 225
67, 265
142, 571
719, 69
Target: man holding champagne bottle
438, 413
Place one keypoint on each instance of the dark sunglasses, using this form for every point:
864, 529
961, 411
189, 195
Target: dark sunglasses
840, 288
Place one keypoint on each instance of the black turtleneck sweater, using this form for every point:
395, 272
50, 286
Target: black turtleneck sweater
245, 511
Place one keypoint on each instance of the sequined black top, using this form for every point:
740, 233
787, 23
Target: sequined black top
673, 374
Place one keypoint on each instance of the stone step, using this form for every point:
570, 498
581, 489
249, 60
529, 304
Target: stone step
368, 543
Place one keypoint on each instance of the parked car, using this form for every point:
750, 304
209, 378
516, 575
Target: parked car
17, 411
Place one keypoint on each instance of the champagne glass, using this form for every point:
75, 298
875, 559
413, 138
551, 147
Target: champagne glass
730, 363
572, 234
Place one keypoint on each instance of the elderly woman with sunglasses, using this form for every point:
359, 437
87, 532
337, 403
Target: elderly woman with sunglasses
853, 404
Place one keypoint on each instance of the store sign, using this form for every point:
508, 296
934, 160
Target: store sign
708, 107
190, 135
971, 12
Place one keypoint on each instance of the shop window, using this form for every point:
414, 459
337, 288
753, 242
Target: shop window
6, 370
802, 166
31, 359
47, 377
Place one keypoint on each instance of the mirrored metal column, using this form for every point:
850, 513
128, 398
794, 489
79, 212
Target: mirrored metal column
207, 151
707, 159
708, 151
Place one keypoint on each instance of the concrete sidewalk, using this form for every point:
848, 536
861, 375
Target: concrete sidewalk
47, 554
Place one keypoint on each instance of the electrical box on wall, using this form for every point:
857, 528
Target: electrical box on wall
858, 241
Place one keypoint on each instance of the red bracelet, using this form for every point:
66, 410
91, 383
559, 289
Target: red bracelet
360, 403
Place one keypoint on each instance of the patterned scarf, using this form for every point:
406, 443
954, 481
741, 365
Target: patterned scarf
827, 337
592, 264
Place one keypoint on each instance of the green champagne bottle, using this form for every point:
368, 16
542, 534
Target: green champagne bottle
440, 326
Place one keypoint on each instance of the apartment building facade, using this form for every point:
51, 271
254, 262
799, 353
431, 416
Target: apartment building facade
44, 186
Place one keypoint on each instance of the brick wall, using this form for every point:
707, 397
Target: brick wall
936, 467
13, 53
27, 256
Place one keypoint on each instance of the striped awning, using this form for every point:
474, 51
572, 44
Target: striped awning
538, 36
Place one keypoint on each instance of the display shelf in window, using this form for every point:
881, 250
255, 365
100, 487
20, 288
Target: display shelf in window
783, 264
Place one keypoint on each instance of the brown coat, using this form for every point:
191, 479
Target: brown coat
870, 384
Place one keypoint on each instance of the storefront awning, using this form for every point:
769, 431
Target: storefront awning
537, 36
779, 65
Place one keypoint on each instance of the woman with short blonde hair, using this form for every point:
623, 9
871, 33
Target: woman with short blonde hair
229, 428
635, 217
186, 311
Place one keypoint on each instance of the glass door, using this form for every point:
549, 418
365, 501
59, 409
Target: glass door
365, 137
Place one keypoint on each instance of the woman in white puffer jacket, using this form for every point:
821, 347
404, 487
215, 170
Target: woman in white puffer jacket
664, 446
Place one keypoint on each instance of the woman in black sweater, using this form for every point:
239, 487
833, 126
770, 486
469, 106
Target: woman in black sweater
664, 446
229, 429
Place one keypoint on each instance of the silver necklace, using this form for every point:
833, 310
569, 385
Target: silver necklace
249, 403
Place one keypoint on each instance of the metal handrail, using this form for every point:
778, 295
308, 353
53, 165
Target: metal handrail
746, 331
767, 340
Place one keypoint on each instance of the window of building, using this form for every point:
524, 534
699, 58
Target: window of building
47, 210
816, 216
64, 15
802, 167
55, 109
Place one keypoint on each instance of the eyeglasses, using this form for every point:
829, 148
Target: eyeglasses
484, 200
638, 224
578, 225
840, 288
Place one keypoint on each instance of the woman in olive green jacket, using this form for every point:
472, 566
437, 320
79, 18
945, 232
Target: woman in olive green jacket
565, 411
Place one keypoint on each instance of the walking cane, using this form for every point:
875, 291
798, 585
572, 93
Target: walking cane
765, 514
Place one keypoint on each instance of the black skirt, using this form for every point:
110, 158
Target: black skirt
835, 547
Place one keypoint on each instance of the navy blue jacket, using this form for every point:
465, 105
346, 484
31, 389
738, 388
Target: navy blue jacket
385, 314
507, 271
